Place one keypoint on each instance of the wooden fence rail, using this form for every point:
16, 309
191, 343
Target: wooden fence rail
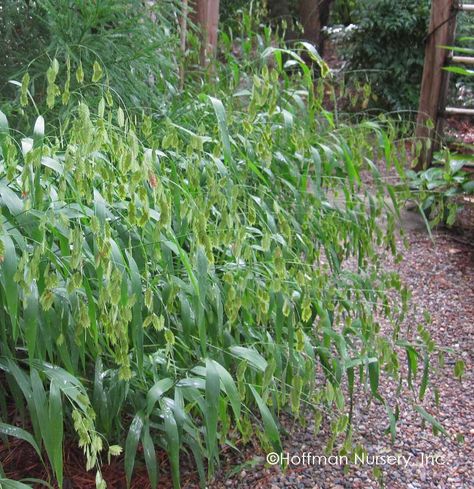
434, 86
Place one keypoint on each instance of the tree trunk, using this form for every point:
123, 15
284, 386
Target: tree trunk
314, 15
279, 10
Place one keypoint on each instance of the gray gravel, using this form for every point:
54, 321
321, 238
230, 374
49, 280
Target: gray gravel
441, 278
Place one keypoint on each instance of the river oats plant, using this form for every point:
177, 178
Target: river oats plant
179, 282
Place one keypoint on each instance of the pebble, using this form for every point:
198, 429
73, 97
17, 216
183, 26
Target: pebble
451, 309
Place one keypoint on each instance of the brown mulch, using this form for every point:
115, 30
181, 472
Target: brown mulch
460, 133
20, 462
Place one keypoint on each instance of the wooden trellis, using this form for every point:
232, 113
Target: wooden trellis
434, 86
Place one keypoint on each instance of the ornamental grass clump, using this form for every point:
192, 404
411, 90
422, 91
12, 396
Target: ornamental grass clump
163, 280
134, 40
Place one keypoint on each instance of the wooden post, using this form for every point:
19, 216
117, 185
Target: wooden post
207, 18
183, 33
435, 80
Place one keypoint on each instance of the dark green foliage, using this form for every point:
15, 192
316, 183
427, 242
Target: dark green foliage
23, 39
228, 8
343, 11
438, 188
389, 47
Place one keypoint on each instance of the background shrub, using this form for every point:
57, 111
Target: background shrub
388, 46
342, 11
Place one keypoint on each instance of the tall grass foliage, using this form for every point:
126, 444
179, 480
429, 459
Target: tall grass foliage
135, 40
179, 282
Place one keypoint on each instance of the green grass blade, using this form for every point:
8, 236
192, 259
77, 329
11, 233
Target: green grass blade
8, 269
172, 440
271, 430
212, 404
56, 430
11, 484
131, 444
150, 456
230, 388
156, 393
431, 419
137, 320
223, 129
252, 356
15, 431
31, 317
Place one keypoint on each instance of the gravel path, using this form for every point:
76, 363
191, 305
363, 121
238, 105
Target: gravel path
441, 278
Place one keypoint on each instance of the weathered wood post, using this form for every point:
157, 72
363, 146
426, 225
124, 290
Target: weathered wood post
183, 34
435, 80
206, 16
